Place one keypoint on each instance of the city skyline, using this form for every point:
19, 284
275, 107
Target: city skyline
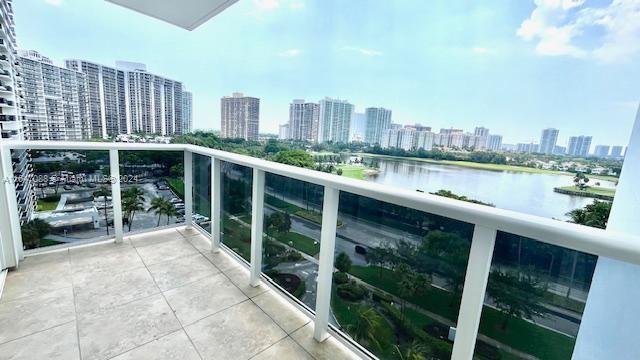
360, 63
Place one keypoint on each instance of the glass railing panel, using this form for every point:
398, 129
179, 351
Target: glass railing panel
236, 183
152, 188
291, 243
399, 275
64, 197
202, 191
535, 299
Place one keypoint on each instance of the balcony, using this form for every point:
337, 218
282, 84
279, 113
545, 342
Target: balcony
272, 263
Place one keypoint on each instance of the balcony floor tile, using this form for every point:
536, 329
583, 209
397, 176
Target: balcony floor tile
226, 335
165, 251
181, 271
57, 343
284, 314
105, 334
202, 298
175, 346
285, 349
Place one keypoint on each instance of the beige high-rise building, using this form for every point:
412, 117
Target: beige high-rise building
240, 117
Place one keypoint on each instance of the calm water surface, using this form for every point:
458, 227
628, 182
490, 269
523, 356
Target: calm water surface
524, 192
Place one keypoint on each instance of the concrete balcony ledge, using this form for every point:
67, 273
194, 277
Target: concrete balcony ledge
160, 295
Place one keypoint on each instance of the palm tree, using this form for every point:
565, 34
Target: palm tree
415, 351
158, 206
365, 326
133, 201
170, 211
103, 192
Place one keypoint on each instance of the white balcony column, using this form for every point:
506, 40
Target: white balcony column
10, 245
116, 198
257, 218
188, 188
325, 267
216, 201
611, 320
475, 285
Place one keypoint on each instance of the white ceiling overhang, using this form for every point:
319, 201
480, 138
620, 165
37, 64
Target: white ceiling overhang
187, 14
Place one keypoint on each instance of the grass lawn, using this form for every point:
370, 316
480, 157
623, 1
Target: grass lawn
293, 209
176, 184
48, 242
44, 205
591, 190
520, 334
299, 242
352, 171
237, 238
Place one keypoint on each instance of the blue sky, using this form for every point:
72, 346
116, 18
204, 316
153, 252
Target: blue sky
513, 66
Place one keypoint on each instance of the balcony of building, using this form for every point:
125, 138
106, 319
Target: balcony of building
106, 283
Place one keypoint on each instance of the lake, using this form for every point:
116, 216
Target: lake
518, 191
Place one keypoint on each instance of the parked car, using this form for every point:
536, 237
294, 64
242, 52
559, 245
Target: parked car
361, 250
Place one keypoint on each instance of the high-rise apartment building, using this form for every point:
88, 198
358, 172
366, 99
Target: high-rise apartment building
11, 118
240, 116
601, 151
424, 140
55, 100
378, 120
548, 140
528, 148
303, 120
283, 132
482, 138
334, 120
579, 145
358, 129
127, 99
187, 112
494, 143
616, 151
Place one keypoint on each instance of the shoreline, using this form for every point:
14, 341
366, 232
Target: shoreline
486, 166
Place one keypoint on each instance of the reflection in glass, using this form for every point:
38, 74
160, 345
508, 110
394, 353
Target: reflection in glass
293, 220
73, 197
535, 297
236, 185
399, 277
202, 191
152, 188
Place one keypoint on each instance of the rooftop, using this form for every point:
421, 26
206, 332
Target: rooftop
162, 294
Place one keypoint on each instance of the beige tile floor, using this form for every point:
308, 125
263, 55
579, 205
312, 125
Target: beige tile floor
162, 295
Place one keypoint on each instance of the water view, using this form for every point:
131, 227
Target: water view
524, 192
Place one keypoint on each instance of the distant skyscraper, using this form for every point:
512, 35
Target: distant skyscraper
527, 148
127, 99
579, 146
11, 119
358, 127
601, 151
616, 151
240, 117
495, 142
187, 112
303, 121
424, 140
283, 132
55, 100
548, 140
481, 138
378, 120
334, 120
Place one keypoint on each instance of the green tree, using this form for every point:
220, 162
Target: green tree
132, 202
299, 158
170, 211
343, 262
516, 295
103, 192
581, 180
279, 221
594, 215
415, 351
33, 232
158, 206
339, 171
366, 327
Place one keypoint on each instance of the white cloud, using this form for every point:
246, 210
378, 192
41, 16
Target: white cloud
290, 53
363, 51
556, 26
53, 2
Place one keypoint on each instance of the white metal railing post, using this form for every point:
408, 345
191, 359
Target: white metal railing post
216, 201
116, 198
10, 236
257, 218
188, 188
325, 267
475, 286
